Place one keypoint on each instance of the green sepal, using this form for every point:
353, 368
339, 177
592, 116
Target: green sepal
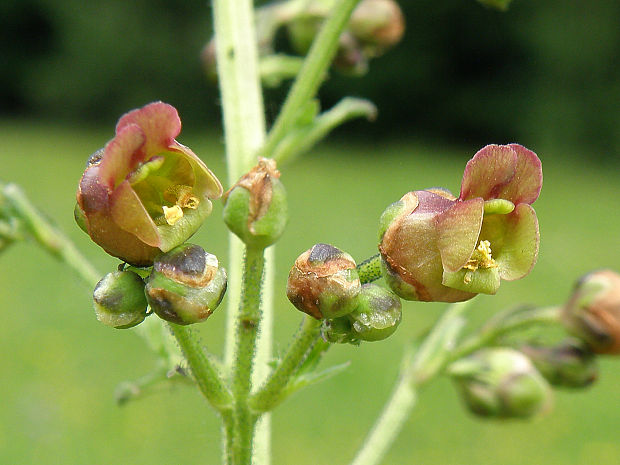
377, 315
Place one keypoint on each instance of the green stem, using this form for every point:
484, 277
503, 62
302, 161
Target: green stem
303, 139
248, 319
390, 422
207, 377
244, 128
48, 236
269, 395
370, 269
504, 323
312, 73
425, 365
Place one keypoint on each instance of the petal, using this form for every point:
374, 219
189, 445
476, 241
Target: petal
410, 252
173, 235
117, 242
459, 228
482, 280
514, 241
527, 181
488, 172
160, 123
509, 172
130, 215
206, 183
121, 155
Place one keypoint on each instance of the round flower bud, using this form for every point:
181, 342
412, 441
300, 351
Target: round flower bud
338, 331
377, 315
501, 383
186, 285
324, 282
377, 25
255, 208
119, 299
593, 311
568, 364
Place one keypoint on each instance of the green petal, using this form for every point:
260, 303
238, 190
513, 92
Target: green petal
173, 235
459, 228
514, 241
129, 214
482, 280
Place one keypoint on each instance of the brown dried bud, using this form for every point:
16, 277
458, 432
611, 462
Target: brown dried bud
324, 282
255, 207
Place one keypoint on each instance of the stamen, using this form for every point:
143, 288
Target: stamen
172, 214
182, 197
481, 258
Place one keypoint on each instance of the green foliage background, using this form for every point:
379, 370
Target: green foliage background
541, 73
60, 367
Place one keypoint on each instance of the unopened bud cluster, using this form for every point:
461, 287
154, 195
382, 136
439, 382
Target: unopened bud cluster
325, 284
184, 286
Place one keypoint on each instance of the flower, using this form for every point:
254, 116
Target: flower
144, 193
436, 247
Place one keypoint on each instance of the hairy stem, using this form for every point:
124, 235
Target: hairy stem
269, 395
370, 269
244, 128
207, 377
248, 319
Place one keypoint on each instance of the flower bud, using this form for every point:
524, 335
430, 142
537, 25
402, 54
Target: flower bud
593, 311
119, 299
255, 208
377, 315
501, 383
569, 364
324, 282
377, 25
186, 285
338, 331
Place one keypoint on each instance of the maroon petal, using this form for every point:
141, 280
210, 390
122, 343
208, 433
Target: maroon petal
160, 123
488, 172
459, 228
121, 155
509, 172
527, 182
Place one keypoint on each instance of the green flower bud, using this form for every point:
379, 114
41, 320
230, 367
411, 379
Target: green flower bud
568, 364
377, 315
501, 383
338, 331
324, 282
119, 299
186, 285
593, 311
256, 208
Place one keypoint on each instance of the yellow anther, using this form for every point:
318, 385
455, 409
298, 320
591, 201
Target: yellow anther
173, 214
481, 258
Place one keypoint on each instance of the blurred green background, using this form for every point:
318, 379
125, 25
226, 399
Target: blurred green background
543, 74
